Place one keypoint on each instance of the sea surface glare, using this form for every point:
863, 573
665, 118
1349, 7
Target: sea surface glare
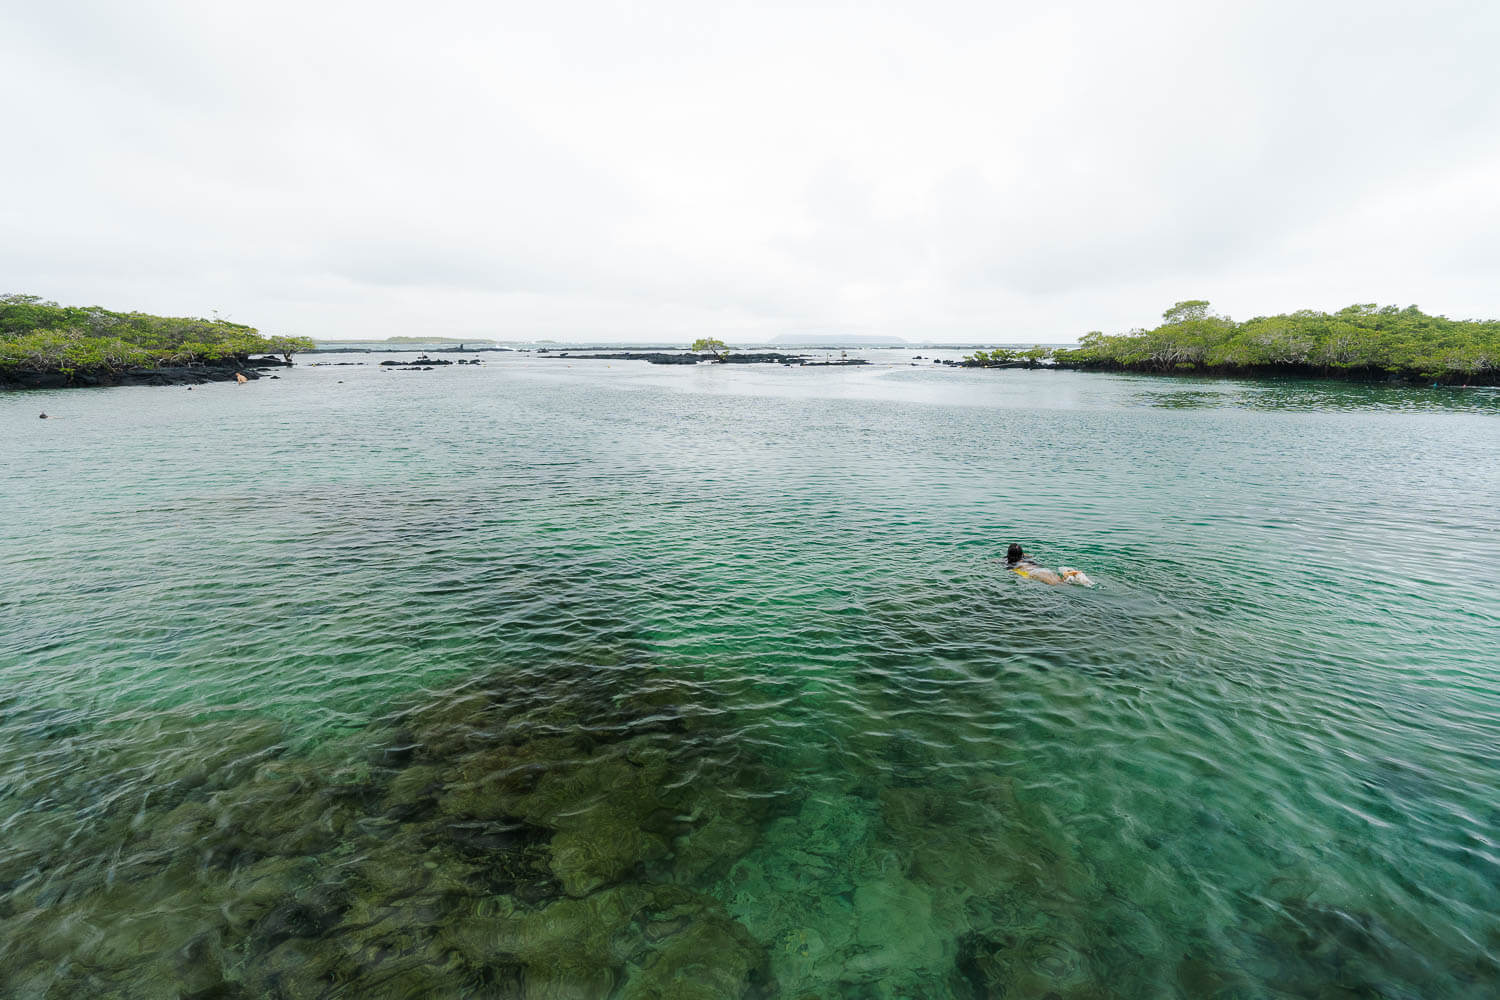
554, 679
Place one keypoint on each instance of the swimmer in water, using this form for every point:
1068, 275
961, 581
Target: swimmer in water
1021, 564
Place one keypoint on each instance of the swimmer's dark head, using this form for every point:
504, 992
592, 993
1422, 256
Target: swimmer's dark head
1014, 553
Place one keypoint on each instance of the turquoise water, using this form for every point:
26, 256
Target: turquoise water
551, 679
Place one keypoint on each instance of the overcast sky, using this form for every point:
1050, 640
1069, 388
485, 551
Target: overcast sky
986, 171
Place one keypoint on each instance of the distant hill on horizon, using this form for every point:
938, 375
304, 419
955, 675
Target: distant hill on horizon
838, 340
408, 340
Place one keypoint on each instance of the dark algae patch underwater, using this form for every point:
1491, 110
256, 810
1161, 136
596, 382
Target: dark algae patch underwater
550, 835
582, 832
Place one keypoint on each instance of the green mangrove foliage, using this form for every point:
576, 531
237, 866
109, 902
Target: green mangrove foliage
41, 336
1362, 341
710, 345
1004, 357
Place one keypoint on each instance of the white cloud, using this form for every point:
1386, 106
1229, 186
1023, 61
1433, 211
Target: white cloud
656, 171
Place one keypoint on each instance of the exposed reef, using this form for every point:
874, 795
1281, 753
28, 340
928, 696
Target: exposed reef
1299, 372
1369, 376
196, 374
423, 360
971, 362
426, 364
662, 358
457, 348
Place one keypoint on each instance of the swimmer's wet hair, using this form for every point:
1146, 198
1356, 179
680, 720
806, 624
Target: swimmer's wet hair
1014, 553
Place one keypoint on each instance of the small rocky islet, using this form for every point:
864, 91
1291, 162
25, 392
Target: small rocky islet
424, 363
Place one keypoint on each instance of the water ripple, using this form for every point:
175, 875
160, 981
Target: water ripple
544, 682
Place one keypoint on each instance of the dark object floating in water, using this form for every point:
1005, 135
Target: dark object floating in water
42, 417
426, 364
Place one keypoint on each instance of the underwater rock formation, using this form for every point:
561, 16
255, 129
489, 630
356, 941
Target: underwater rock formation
482, 841
598, 831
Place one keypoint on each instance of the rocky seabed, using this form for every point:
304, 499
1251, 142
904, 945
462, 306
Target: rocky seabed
574, 833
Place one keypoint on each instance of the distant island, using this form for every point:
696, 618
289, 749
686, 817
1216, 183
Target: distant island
836, 341
416, 340
436, 340
45, 345
1362, 342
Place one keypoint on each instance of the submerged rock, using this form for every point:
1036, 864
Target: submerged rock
714, 958
1038, 964
496, 839
895, 932
610, 846
709, 849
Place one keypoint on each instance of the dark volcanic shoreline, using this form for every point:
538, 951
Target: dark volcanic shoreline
662, 358
408, 348
1261, 373
11, 379
1252, 373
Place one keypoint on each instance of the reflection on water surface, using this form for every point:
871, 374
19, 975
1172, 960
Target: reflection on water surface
1318, 396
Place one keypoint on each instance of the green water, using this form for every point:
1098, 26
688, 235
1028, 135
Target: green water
588, 680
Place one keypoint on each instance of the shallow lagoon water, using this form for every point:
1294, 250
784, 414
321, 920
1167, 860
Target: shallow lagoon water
555, 679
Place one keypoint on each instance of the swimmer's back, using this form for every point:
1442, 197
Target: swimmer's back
1032, 571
